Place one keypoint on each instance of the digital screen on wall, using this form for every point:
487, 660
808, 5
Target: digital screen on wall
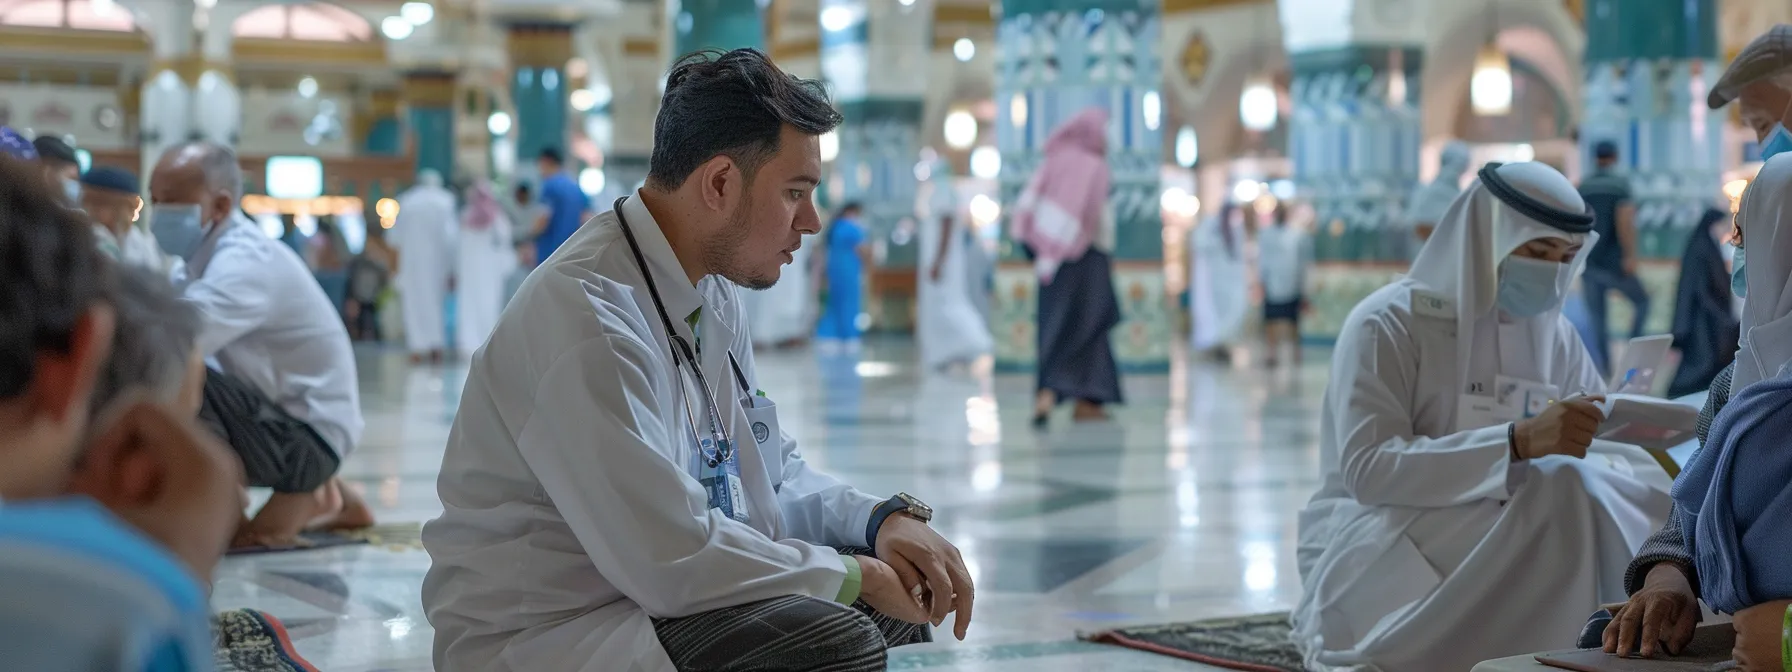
295, 177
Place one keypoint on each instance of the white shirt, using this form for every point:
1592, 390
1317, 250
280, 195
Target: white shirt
267, 322
1282, 260
571, 516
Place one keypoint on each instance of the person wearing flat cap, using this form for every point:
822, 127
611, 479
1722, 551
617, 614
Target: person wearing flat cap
61, 167
110, 197
1663, 578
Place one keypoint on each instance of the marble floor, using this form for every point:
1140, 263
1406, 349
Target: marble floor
1183, 507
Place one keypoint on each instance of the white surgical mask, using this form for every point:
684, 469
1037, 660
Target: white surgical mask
72, 190
177, 228
1528, 287
1778, 140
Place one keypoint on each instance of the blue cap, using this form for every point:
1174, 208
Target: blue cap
111, 179
53, 149
15, 145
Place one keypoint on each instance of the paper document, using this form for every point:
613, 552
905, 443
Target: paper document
1651, 423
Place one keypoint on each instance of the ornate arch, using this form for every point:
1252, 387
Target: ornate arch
310, 21
103, 15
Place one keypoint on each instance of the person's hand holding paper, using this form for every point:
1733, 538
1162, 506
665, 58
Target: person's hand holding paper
1565, 428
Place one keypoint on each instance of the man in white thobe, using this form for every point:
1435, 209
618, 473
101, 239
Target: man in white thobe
617, 492
1466, 512
424, 236
948, 329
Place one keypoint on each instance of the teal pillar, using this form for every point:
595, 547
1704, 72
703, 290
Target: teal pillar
1354, 142
716, 24
429, 96
1649, 65
880, 140
383, 134
1054, 59
539, 88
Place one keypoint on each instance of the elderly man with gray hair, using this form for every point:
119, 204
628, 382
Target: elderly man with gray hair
280, 386
1662, 581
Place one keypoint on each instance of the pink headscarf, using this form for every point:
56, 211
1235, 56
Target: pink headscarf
482, 209
1059, 213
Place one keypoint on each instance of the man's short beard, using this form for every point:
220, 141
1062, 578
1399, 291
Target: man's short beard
722, 253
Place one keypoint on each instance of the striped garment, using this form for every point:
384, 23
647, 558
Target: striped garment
795, 632
278, 450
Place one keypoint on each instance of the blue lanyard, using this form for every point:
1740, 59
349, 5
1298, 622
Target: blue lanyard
682, 355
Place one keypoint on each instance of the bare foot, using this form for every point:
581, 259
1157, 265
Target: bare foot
352, 514
286, 514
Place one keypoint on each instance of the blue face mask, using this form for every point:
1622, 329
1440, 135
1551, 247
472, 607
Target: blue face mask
1528, 286
1738, 281
1778, 140
72, 190
176, 228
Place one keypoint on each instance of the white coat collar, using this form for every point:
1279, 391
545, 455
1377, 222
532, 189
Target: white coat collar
677, 293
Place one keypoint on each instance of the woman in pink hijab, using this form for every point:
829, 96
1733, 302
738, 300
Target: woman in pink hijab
1058, 220
486, 259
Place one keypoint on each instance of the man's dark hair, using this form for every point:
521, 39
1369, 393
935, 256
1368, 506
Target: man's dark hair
523, 189
156, 334
551, 154
852, 206
734, 104
51, 272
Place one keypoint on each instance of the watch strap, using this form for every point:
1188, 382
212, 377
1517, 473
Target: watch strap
879, 513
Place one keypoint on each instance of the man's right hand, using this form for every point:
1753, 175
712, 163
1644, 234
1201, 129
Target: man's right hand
1565, 428
1663, 612
169, 478
883, 590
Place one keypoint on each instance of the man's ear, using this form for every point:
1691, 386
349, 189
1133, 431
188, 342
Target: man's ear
64, 381
720, 183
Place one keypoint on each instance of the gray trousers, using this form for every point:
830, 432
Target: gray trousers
795, 632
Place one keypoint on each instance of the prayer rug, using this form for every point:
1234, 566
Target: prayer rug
245, 640
1252, 643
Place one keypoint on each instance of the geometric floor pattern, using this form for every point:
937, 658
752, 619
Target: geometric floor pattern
1182, 507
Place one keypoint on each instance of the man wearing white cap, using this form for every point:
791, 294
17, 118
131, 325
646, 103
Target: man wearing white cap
1457, 520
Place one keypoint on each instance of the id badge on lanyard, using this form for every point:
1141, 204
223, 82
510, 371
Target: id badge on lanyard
722, 482
762, 418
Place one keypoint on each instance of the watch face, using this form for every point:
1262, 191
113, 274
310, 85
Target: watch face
916, 507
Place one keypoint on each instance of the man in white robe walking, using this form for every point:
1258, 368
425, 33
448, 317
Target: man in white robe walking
425, 238
1467, 512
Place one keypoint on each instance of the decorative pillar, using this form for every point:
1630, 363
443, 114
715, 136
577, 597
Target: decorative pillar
539, 88
1354, 141
382, 135
217, 105
164, 114
635, 102
429, 99
1056, 58
880, 139
715, 24
1649, 66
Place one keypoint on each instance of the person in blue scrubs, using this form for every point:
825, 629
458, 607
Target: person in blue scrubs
846, 254
565, 205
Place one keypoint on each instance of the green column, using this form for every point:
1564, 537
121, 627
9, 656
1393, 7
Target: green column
539, 88
1104, 54
429, 97
716, 24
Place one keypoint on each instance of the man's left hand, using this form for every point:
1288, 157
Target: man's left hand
921, 557
1758, 636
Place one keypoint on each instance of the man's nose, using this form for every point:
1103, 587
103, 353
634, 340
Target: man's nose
807, 220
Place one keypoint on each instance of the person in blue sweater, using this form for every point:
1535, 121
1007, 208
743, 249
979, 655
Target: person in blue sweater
110, 522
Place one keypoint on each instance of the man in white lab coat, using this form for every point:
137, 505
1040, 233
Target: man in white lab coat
1466, 511
424, 236
283, 393
586, 526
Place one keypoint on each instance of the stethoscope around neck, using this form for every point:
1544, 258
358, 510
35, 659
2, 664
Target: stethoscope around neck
683, 354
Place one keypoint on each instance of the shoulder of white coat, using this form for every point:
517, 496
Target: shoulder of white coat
1386, 312
585, 292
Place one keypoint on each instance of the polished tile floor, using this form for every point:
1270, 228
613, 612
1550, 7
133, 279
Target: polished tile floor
1180, 508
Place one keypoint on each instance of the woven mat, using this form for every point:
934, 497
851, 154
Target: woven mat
393, 536
1252, 643
245, 640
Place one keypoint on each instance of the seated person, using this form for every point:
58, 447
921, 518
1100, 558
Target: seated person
585, 523
83, 587
109, 197
1454, 526
1731, 501
283, 392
